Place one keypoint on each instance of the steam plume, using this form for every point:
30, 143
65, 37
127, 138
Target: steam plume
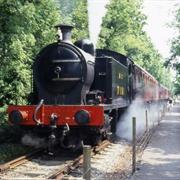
95, 17
30, 140
137, 109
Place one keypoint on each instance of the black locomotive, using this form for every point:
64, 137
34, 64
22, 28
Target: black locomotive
79, 92
66, 73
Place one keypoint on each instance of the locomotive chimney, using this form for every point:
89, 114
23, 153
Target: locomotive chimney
66, 32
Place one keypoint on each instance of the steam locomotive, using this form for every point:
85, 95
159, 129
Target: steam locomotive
79, 91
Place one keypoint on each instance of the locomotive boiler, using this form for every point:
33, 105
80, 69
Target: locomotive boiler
78, 92
63, 73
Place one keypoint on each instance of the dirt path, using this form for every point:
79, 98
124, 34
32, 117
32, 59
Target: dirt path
161, 159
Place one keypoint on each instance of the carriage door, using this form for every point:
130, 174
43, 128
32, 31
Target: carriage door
130, 80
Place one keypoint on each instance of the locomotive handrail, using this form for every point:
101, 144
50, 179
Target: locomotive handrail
38, 121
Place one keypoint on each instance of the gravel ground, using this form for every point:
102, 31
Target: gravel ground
112, 163
37, 168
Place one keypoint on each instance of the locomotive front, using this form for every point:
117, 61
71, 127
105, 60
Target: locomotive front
63, 73
62, 76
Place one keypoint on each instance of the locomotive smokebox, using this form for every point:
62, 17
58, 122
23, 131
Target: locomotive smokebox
66, 31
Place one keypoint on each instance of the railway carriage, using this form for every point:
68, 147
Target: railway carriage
145, 85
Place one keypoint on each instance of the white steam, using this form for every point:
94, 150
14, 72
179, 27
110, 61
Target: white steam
138, 109
33, 141
96, 10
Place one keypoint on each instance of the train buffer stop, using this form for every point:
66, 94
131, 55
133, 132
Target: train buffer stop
161, 158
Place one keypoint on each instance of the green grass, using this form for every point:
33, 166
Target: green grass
10, 151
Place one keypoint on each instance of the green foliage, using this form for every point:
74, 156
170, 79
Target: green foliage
80, 21
122, 31
175, 45
174, 60
66, 8
75, 13
123, 21
25, 26
177, 85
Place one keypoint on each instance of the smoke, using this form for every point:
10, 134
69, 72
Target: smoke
138, 109
95, 17
30, 140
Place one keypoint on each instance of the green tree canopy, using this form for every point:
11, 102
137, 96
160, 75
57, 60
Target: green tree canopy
174, 60
177, 85
75, 13
25, 27
175, 44
122, 31
122, 24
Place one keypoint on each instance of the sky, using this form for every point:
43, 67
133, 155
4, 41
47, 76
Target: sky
159, 14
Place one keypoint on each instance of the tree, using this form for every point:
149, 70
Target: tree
75, 13
174, 59
175, 44
177, 85
66, 8
25, 27
80, 21
122, 31
122, 23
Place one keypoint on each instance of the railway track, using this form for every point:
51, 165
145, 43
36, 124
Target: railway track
39, 165
111, 162
18, 161
10, 151
77, 162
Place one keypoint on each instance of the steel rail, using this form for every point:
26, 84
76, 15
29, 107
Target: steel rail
59, 174
20, 160
143, 140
